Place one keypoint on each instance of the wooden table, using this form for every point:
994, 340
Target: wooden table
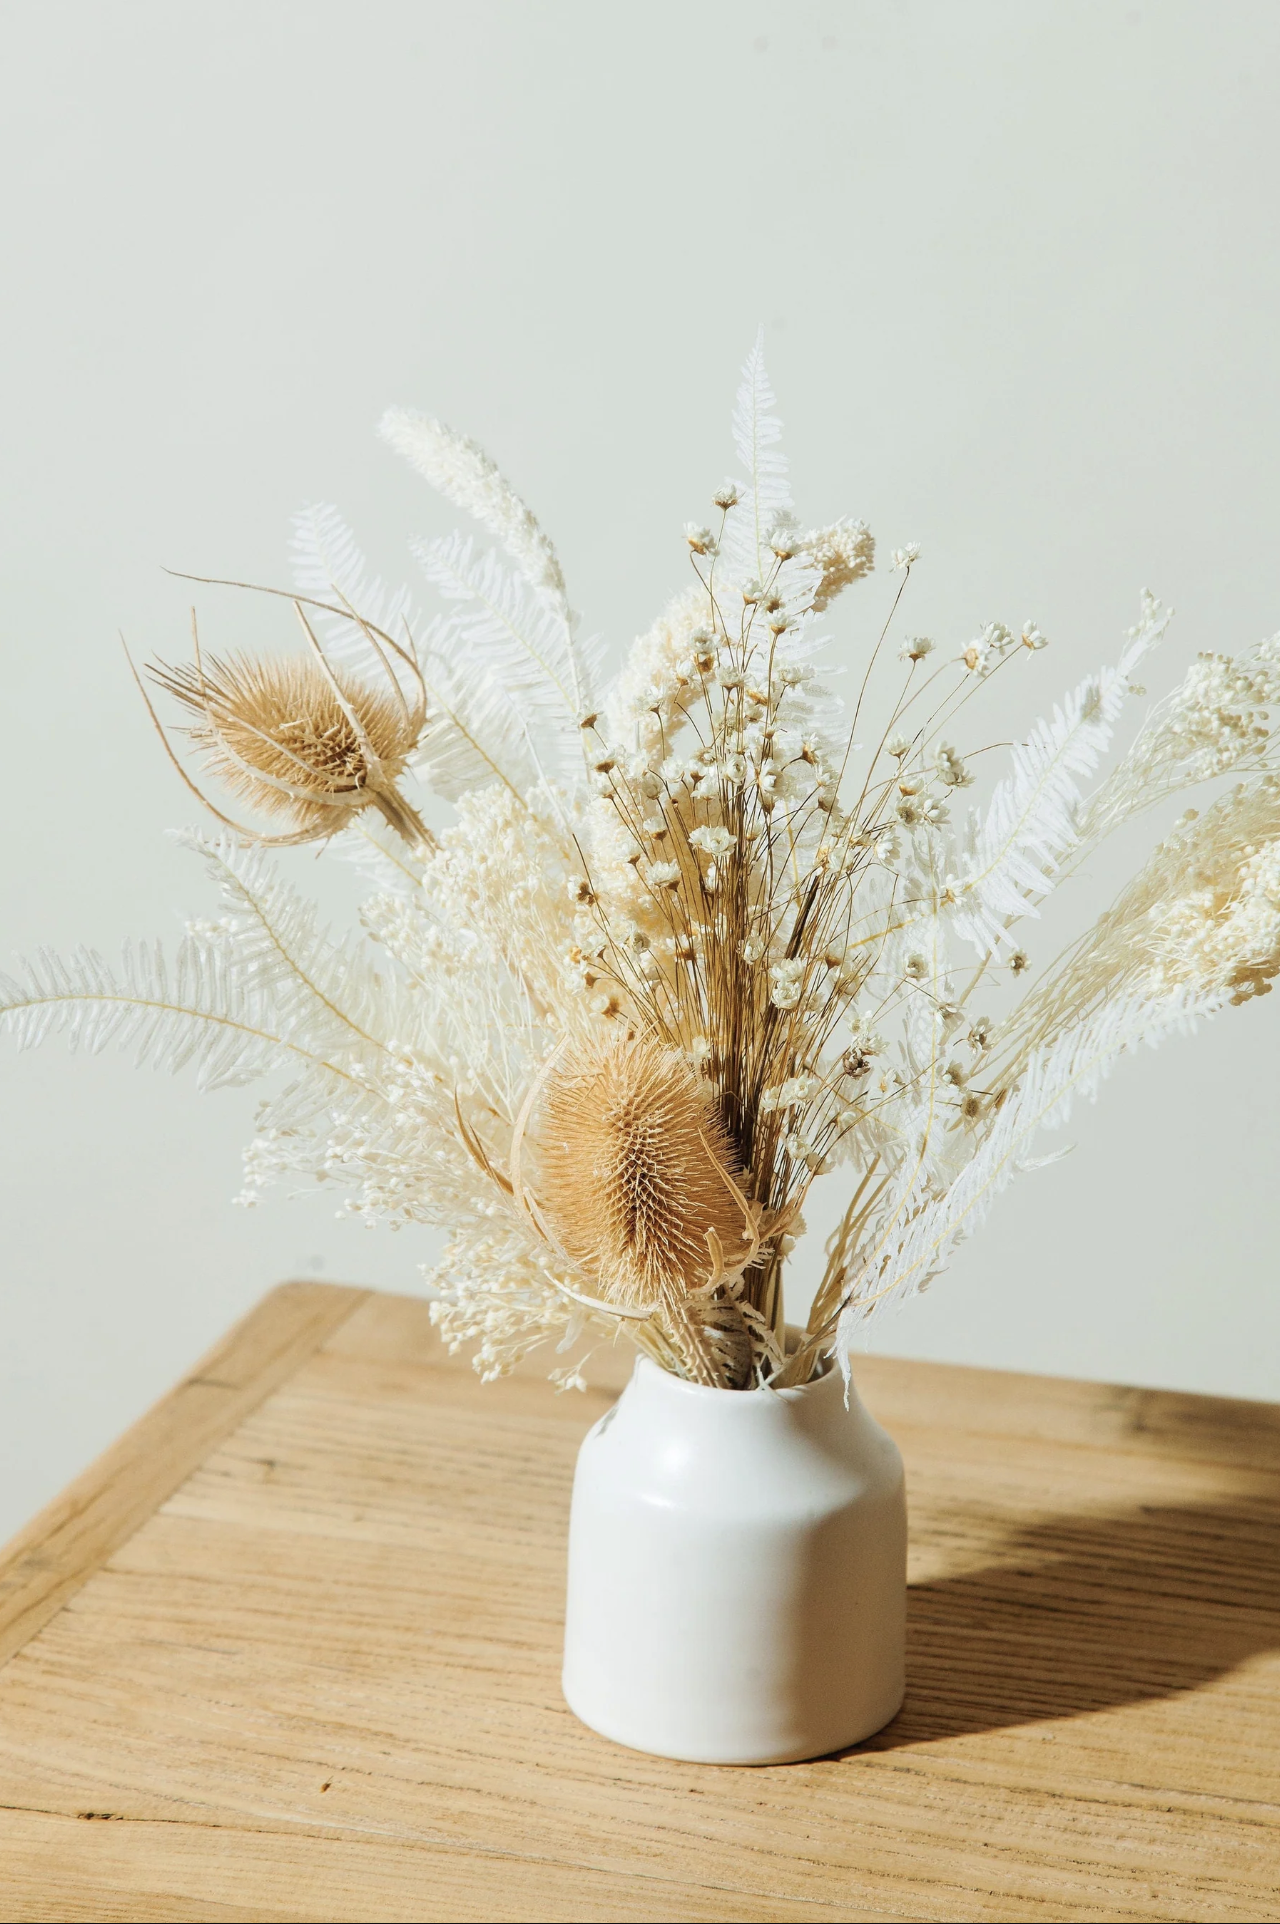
291, 1650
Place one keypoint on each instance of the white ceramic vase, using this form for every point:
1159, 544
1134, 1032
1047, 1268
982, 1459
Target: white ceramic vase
737, 1572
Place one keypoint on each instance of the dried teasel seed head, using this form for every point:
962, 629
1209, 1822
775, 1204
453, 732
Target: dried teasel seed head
634, 1168
298, 739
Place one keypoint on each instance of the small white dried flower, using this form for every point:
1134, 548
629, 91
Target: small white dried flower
904, 556
1032, 638
788, 982
915, 648
898, 745
730, 676
701, 540
1019, 961
713, 839
916, 967
663, 875
752, 591
787, 1094
727, 496
767, 782
948, 767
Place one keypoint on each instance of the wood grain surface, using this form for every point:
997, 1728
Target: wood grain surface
294, 1654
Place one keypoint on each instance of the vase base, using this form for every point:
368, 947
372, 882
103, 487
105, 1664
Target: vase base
797, 1752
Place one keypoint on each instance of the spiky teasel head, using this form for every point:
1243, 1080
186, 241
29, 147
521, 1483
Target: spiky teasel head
637, 1175
300, 740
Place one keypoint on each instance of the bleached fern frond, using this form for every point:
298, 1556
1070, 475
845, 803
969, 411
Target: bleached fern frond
766, 497
507, 654
1030, 824
382, 856
329, 566
194, 1009
322, 990
919, 1230
462, 471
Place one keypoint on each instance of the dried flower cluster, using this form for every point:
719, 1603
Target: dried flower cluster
692, 940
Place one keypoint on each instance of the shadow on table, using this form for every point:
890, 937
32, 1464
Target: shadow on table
1089, 1613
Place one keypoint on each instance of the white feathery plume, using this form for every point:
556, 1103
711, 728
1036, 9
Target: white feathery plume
461, 470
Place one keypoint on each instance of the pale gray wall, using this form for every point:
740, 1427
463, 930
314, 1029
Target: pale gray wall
1018, 265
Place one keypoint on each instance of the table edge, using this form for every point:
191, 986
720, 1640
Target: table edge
54, 1554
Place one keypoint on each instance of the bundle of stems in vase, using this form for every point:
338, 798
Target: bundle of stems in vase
692, 939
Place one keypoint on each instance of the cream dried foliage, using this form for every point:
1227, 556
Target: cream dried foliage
691, 941
297, 738
1202, 915
844, 552
1206, 909
661, 677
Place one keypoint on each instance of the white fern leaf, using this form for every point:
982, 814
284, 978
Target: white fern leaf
1030, 824
382, 857
766, 497
506, 653
329, 566
196, 1009
323, 990
919, 1230
462, 471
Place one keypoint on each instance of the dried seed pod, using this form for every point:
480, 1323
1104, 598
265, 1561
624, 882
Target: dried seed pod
299, 739
635, 1168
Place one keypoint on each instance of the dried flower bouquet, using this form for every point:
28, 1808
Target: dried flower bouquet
691, 941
